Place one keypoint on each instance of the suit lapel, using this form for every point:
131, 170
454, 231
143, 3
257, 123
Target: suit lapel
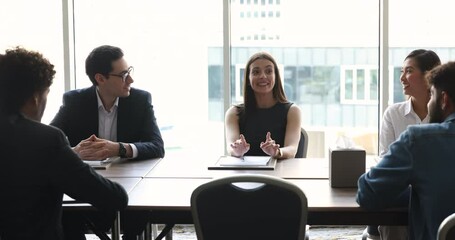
122, 118
92, 115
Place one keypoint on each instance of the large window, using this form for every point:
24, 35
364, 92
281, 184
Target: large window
36, 25
328, 51
421, 25
359, 84
169, 44
329, 58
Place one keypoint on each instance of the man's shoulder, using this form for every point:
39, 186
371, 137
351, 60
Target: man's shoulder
44, 130
80, 96
431, 129
138, 95
36, 132
139, 92
80, 92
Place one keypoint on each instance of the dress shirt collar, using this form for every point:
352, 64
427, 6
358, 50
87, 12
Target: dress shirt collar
100, 103
450, 118
409, 110
408, 107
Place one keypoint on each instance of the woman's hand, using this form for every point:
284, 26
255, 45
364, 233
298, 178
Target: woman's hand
240, 147
270, 147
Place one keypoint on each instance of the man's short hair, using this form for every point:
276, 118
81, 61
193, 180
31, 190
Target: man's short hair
22, 74
100, 61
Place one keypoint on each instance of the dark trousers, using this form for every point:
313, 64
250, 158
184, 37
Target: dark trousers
77, 223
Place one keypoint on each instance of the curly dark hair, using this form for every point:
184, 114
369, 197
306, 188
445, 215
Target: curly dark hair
22, 74
442, 78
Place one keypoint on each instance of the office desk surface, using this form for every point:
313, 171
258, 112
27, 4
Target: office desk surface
129, 168
127, 183
195, 166
169, 201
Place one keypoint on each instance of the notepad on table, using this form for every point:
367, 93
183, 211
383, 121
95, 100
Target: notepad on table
101, 164
245, 161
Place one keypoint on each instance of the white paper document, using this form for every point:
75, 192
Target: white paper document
245, 161
100, 162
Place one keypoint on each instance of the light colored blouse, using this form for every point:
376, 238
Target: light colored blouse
396, 119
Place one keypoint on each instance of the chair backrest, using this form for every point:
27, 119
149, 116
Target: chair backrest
303, 144
446, 229
249, 206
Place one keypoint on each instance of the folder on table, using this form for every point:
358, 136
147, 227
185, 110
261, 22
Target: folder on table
244, 163
101, 164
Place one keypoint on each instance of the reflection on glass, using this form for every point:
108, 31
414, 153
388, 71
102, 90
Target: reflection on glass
177, 56
348, 85
24, 24
360, 84
374, 84
314, 51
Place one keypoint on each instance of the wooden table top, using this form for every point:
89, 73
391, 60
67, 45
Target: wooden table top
175, 193
129, 168
169, 201
195, 166
128, 183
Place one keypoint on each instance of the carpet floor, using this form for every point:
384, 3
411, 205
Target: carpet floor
186, 232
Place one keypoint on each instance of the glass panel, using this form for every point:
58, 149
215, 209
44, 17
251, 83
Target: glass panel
175, 47
428, 31
374, 84
311, 50
348, 85
360, 84
398, 95
22, 24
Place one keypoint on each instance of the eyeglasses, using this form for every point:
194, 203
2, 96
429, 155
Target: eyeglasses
125, 74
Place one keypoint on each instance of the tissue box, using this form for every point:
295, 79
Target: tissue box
346, 166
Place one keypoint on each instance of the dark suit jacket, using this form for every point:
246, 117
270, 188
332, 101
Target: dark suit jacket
37, 166
136, 122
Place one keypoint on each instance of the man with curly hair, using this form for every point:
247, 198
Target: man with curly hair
37, 165
422, 158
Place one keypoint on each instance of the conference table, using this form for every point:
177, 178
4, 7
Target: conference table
166, 191
129, 168
127, 173
163, 187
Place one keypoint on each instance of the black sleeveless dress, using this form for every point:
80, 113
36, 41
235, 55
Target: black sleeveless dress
254, 126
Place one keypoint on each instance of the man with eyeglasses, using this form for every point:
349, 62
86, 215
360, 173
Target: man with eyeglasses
110, 118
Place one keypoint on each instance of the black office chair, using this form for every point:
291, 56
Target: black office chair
249, 206
303, 145
446, 229
167, 231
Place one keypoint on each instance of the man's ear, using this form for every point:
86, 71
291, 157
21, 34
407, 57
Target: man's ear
446, 102
99, 78
36, 98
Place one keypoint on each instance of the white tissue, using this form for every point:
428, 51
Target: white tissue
344, 142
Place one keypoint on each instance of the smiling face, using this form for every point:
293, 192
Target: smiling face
412, 79
262, 76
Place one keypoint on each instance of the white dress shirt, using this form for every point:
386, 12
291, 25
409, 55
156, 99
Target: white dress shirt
396, 119
107, 123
